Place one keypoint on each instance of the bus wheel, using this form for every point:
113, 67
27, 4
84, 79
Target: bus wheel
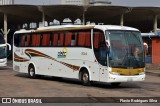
31, 71
85, 78
116, 84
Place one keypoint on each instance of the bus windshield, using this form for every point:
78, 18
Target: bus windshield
126, 49
3, 52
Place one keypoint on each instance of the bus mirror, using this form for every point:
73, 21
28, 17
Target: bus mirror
9, 46
107, 44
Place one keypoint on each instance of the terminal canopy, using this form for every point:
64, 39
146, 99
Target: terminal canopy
138, 17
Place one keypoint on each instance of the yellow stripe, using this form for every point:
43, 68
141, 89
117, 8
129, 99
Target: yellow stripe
128, 71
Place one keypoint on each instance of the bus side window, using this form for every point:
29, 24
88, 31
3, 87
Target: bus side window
36, 40
84, 39
74, 39
81, 39
19, 40
27, 40
96, 40
68, 38
61, 39
45, 39
88, 39
55, 39
23, 40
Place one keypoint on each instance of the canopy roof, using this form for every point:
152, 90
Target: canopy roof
139, 17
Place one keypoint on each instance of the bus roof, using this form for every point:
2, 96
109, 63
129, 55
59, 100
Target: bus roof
77, 27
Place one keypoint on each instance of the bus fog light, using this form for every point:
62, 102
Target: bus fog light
112, 78
142, 73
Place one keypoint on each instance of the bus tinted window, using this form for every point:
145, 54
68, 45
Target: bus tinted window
61, 39
16, 40
23, 40
100, 47
27, 40
36, 40
46, 40
71, 38
68, 38
84, 38
55, 39
74, 39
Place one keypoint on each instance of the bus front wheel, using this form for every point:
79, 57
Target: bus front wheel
85, 78
31, 71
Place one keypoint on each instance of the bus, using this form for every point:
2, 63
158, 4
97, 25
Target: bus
104, 53
3, 51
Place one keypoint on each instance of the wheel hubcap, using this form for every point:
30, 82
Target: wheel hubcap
31, 72
85, 77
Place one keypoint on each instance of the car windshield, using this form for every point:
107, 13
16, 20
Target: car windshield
126, 49
2, 52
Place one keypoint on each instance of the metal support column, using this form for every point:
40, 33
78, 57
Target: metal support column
85, 7
43, 18
84, 18
122, 20
155, 24
43, 14
5, 27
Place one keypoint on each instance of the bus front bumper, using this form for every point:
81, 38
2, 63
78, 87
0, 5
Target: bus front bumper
120, 78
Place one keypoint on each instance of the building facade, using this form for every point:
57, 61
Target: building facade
100, 2
73, 2
85, 2
153, 42
6, 2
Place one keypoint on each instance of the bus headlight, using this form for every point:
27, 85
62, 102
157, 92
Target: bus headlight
114, 73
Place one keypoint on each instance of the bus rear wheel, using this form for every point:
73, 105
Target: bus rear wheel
31, 71
85, 78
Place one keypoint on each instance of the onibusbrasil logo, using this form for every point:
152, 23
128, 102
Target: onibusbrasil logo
63, 53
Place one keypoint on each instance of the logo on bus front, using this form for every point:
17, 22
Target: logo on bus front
63, 53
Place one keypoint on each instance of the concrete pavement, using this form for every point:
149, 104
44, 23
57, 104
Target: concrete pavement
153, 69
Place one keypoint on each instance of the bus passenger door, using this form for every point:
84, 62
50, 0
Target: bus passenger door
100, 52
102, 62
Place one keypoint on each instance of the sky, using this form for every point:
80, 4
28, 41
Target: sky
155, 3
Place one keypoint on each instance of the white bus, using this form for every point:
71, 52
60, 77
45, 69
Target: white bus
102, 53
3, 51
